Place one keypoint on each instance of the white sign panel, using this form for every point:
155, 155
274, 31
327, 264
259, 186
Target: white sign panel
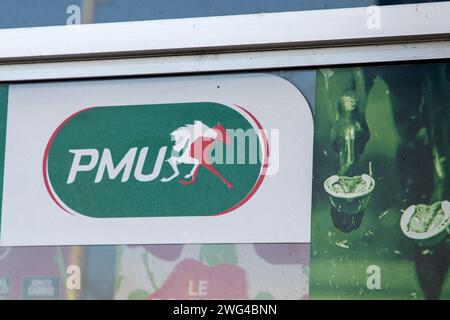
206, 159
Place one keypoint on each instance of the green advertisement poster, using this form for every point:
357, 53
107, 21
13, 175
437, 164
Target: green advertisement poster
380, 213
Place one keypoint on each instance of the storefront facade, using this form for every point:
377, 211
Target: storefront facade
353, 100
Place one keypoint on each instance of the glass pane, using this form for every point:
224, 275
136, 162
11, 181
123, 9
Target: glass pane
29, 13
398, 117
244, 271
381, 216
184, 271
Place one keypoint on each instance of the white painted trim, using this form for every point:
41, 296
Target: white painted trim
225, 61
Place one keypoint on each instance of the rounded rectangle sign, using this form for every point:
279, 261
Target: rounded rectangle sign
184, 150
204, 159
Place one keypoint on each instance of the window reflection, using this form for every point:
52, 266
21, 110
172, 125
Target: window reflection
29, 13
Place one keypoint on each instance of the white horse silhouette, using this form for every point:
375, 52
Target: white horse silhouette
184, 138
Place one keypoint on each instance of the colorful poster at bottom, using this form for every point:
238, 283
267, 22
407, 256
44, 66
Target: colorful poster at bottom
42, 273
202, 272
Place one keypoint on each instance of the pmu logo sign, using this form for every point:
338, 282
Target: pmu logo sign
186, 159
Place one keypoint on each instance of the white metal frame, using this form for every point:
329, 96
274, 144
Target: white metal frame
242, 42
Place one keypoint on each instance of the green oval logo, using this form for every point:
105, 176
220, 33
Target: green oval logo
186, 159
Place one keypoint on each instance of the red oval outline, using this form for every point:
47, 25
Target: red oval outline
262, 175
255, 188
46, 153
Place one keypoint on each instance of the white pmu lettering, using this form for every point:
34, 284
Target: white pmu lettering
73, 281
77, 167
106, 163
374, 277
74, 13
156, 169
85, 160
